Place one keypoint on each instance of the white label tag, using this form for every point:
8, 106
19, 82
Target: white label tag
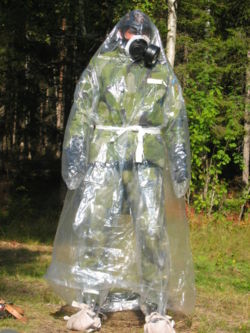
155, 81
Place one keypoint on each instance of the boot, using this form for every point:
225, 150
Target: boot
157, 323
86, 320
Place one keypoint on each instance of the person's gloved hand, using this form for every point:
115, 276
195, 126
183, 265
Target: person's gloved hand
74, 162
180, 176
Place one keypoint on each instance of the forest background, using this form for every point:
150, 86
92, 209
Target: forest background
45, 45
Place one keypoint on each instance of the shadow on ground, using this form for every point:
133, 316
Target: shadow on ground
16, 260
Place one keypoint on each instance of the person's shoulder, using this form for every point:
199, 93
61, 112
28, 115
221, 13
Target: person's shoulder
104, 60
160, 71
107, 56
161, 67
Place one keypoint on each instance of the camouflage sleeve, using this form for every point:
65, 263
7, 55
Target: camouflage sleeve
79, 129
177, 137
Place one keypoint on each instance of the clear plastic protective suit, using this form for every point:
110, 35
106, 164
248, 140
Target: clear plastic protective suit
123, 240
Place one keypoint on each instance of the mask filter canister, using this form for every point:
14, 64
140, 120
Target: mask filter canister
151, 55
137, 49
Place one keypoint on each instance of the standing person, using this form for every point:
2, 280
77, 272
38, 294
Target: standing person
122, 241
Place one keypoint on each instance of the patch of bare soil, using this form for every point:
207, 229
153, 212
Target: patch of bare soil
126, 321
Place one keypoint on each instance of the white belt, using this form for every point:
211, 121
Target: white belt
141, 131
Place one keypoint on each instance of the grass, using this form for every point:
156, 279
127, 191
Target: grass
221, 256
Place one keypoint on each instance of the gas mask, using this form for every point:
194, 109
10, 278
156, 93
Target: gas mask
138, 48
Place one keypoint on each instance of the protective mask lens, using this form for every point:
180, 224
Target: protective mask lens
137, 49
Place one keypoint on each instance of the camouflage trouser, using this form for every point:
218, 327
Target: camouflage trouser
108, 190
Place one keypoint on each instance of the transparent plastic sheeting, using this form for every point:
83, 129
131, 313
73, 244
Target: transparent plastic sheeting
123, 240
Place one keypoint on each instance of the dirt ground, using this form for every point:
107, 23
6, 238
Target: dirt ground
51, 320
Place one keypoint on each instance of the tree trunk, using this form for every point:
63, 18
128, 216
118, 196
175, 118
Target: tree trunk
59, 109
60, 104
245, 200
246, 143
171, 36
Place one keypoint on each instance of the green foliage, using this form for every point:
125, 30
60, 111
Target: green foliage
215, 125
211, 57
211, 67
41, 59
